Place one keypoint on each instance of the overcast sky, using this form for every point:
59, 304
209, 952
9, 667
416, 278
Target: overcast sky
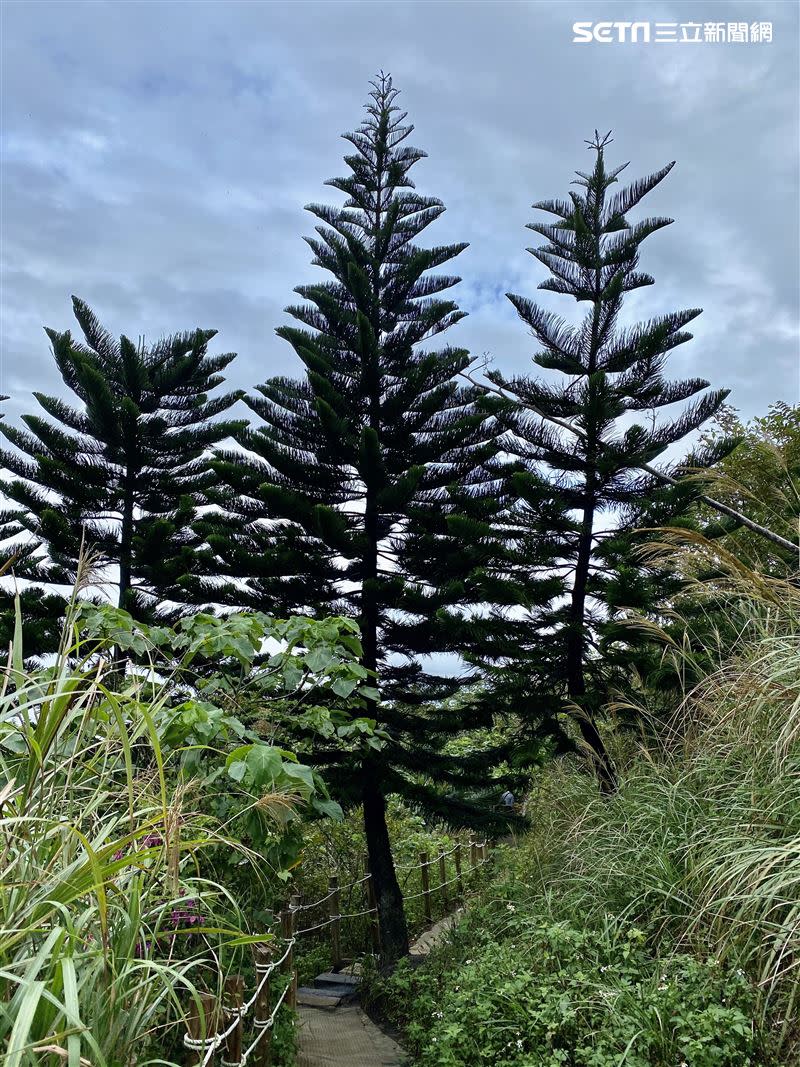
156, 158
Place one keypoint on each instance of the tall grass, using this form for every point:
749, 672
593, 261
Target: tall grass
107, 925
701, 847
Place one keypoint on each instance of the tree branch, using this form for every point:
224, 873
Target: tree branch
717, 505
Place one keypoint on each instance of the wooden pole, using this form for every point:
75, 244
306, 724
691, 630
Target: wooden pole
473, 852
211, 1013
263, 1052
374, 926
334, 910
202, 1024
442, 880
193, 1056
234, 988
287, 932
426, 885
294, 905
459, 879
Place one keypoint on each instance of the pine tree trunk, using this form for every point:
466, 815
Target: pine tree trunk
576, 640
391, 917
576, 637
389, 898
576, 645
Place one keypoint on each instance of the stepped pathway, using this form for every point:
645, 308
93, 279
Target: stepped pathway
334, 1032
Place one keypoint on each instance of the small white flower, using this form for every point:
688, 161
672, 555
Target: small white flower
510, 907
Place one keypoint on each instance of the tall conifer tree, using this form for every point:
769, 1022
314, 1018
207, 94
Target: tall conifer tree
608, 376
366, 487
126, 468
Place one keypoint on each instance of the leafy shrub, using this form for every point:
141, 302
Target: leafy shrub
554, 994
118, 900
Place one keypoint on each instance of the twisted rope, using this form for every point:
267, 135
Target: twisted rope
339, 889
317, 926
209, 1045
357, 914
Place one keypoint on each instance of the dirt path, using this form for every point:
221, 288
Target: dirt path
346, 1036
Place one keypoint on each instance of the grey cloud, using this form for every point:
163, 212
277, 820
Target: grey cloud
156, 159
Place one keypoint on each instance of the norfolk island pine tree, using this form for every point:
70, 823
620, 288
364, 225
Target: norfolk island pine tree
124, 471
592, 253
368, 487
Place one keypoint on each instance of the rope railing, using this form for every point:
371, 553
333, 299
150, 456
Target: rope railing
358, 914
320, 926
203, 1048
204, 1038
478, 854
264, 1027
329, 894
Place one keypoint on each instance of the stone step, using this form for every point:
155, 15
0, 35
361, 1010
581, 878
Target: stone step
329, 991
332, 978
307, 997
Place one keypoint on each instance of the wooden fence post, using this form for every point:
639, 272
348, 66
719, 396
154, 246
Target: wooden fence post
443, 880
459, 879
202, 1023
374, 925
287, 932
334, 910
473, 852
263, 1056
193, 1056
426, 885
234, 988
